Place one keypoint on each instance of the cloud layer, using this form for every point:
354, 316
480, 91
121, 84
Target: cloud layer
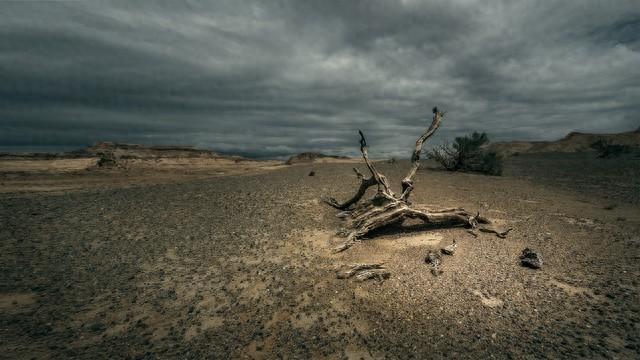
271, 78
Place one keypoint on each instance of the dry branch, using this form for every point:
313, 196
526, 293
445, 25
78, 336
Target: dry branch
373, 274
350, 270
365, 183
407, 182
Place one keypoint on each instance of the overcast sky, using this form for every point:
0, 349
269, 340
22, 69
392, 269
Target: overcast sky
271, 78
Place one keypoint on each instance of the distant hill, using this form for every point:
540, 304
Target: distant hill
308, 157
573, 142
135, 151
116, 155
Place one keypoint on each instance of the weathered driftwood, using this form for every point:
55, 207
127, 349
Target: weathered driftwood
385, 207
363, 272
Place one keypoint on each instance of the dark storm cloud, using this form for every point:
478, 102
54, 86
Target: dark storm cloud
279, 77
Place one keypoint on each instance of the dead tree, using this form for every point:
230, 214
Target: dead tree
386, 208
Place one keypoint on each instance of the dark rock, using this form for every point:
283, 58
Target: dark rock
41, 331
167, 294
312, 173
435, 260
97, 327
530, 259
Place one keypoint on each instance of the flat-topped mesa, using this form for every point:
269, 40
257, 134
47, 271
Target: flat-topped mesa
386, 207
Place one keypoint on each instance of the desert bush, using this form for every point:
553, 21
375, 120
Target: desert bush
106, 159
606, 149
467, 154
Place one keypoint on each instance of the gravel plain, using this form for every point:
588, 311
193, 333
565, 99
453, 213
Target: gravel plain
240, 267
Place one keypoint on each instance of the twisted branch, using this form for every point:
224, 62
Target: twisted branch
407, 182
365, 183
381, 180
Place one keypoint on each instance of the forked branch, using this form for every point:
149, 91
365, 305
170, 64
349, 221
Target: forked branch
381, 180
365, 183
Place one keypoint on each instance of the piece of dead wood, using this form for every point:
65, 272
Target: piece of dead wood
363, 271
379, 275
387, 208
499, 232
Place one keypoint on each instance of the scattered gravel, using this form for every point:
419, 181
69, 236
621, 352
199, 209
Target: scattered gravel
241, 266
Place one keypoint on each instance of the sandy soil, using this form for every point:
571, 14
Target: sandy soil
46, 165
240, 267
63, 175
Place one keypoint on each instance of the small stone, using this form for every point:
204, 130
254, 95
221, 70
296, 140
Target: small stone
450, 249
530, 259
97, 327
432, 258
312, 173
435, 260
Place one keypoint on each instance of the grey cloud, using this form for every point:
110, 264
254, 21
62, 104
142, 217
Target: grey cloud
273, 78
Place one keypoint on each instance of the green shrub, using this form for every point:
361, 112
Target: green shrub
466, 154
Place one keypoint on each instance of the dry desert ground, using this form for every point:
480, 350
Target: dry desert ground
233, 260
